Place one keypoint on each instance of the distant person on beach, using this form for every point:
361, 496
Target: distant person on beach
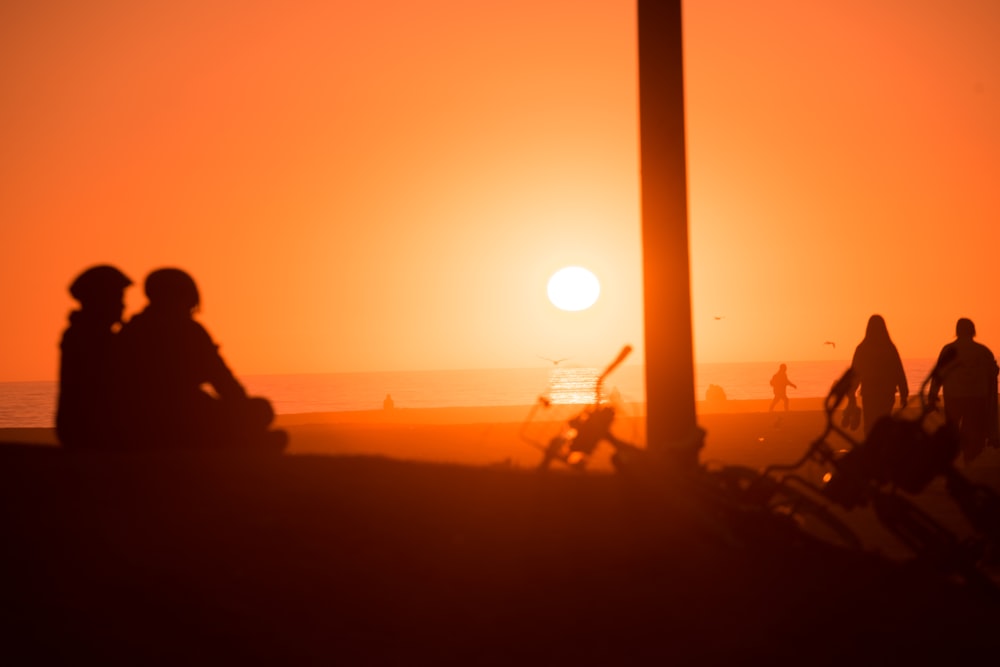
165, 357
968, 375
715, 394
878, 372
388, 403
83, 408
780, 384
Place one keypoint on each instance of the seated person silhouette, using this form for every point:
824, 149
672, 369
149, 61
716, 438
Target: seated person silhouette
164, 359
83, 408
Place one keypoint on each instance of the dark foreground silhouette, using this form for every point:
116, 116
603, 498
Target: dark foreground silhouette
970, 390
155, 381
84, 411
164, 358
211, 558
878, 373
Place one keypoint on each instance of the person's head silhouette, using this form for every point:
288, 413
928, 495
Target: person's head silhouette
876, 328
172, 290
101, 292
965, 328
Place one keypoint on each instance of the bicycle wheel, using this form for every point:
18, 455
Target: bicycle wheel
814, 518
811, 516
931, 542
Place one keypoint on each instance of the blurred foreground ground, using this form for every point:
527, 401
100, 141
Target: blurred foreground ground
403, 540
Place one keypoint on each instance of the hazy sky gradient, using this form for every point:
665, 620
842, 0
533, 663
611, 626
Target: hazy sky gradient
365, 188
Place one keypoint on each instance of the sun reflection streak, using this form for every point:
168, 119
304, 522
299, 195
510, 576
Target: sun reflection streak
572, 386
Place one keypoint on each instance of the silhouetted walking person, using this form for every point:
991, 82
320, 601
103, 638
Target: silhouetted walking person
780, 384
968, 376
878, 371
165, 358
84, 406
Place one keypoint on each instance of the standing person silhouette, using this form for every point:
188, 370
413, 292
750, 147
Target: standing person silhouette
968, 375
84, 405
780, 384
164, 358
878, 372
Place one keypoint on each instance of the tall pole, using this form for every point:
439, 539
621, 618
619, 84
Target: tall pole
671, 423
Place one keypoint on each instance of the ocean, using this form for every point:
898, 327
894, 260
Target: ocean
32, 404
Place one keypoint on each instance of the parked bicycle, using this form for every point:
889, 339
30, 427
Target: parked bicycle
898, 460
734, 487
575, 443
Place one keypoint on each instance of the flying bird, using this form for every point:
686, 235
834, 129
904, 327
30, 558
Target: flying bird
830, 343
718, 317
555, 362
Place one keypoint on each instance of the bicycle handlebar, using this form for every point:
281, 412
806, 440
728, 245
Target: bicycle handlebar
627, 350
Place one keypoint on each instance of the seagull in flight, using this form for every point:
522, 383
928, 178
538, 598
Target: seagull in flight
830, 343
555, 362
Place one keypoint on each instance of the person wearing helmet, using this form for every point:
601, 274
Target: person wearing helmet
968, 376
84, 405
165, 359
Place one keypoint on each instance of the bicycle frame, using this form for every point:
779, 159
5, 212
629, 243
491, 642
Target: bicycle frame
899, 455
574, 445
904, 455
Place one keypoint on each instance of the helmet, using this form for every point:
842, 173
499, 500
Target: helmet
172, 287
98, 283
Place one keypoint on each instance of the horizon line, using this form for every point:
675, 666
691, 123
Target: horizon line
503, 368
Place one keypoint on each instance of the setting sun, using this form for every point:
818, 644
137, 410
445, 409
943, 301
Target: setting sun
573, 288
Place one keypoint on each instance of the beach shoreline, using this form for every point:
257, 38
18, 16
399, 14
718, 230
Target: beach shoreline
480, 414
742, 432
736, 432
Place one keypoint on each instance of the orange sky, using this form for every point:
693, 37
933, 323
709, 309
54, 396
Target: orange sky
389, 188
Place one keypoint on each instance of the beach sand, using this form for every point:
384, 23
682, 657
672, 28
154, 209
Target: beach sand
428, 537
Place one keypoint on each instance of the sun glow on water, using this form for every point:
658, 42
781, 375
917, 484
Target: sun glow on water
572, 386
